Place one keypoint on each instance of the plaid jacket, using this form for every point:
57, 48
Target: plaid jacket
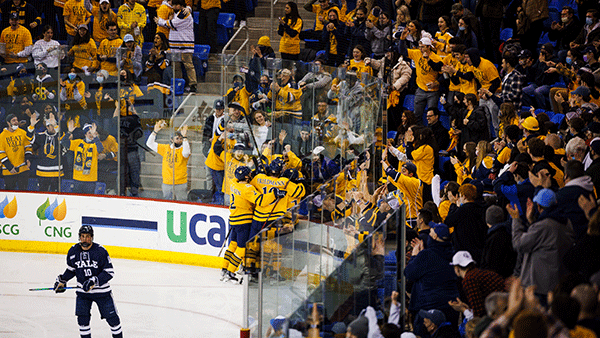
512, 88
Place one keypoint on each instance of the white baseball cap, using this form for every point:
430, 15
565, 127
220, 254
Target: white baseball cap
462, 258
318, 150
425, 41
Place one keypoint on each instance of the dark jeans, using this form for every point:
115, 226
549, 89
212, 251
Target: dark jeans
207, 28
48, 183
491, 35
130, 173
237, 7
16, 182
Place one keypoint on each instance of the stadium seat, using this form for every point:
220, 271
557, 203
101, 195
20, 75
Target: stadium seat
32, 184
178, 86
100, 188
409, 102
313, 44
392, 134
224, 27
506, 34
554, 14
201, 51
557, 119
550, 114
197, 18
66, 185
201, 61
545, 39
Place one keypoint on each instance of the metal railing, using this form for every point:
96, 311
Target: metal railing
226, 61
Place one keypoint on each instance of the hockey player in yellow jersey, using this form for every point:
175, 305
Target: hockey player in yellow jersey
233, 160
244, 198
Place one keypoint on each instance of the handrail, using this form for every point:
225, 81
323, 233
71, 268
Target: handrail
178, 108
273, 3
227, 62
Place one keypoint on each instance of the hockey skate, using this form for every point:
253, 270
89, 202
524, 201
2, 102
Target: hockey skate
231, 278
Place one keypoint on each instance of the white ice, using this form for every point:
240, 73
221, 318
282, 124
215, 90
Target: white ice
152, 299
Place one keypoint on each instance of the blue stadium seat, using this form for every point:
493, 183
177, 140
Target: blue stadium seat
197, 18
539, 111
202, 51
146, 47
312, 44
66, 185
554, 14
409, 102
392, 134
225, 27
100, 188
506, 34
32, 184
557, 118
226, 20
178, 86
550, 114
545, 39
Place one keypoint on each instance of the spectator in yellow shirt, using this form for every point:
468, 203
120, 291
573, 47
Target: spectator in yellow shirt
131, 19
87, 152
102, 15
107, 51
75, 14
18, 42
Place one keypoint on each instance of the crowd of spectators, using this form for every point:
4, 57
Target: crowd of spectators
493, 146
501, 149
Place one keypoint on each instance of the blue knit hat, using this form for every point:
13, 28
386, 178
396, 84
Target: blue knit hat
545, 198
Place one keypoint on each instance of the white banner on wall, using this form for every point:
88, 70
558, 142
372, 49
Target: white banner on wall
124, 222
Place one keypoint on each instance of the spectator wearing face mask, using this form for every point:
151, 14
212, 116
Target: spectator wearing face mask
14, 159
87, 152
238, 93
590, 30
566, 30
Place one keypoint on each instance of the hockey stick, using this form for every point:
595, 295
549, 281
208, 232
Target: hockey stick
48, 289
224, 242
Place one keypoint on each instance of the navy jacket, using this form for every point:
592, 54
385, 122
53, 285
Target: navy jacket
433, 276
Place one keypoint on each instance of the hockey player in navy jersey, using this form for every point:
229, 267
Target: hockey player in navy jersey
91, 264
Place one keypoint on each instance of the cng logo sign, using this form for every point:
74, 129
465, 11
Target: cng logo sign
215, 236
8, 209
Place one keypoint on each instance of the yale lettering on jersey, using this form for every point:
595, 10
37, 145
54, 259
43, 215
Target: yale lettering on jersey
85, 261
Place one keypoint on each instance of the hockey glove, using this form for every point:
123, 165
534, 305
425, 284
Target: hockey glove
59, 285
88, 284
279, 193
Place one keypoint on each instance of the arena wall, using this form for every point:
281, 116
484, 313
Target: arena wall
153, 230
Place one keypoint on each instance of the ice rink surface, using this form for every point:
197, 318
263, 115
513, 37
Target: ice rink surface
153, 300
